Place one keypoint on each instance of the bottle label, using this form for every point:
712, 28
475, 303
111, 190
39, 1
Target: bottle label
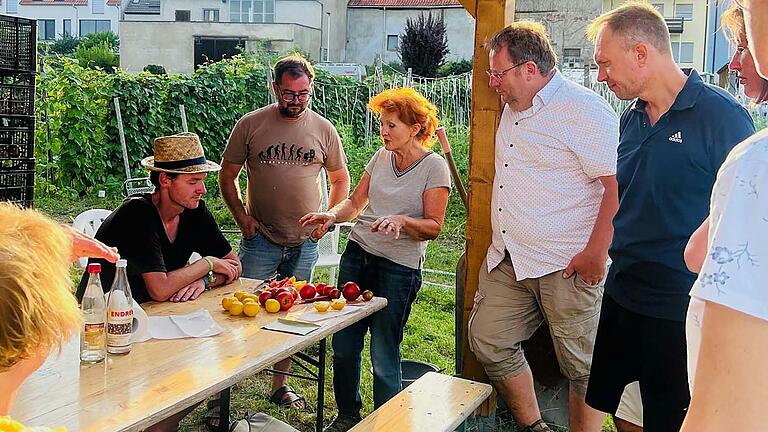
119, 324
94, 336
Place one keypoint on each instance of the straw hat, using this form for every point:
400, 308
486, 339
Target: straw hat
180, 154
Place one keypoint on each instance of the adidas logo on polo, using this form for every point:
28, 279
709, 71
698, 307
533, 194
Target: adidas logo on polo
677, 137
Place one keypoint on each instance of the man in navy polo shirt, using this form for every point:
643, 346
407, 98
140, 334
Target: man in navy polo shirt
673, 139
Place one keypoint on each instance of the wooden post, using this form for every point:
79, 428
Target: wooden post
490, 17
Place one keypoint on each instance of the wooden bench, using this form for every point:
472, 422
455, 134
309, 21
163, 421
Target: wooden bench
433, 403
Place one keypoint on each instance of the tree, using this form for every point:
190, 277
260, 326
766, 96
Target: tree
424, 45
65, 46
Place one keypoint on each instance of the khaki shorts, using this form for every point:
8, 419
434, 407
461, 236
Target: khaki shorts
631, 405
507, 312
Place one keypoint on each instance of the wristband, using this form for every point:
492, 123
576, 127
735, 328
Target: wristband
211, 276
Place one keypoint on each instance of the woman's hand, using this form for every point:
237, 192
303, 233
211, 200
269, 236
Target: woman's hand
389, 224
325, 220
85, 246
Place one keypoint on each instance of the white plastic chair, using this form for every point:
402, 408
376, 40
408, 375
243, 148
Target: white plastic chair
88, 222
328, 246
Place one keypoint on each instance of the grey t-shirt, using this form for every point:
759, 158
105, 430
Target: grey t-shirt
398, 193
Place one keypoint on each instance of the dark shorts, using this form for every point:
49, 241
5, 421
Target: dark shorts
632, 347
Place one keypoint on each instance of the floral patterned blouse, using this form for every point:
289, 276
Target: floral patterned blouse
736, 267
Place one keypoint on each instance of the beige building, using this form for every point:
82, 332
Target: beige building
687, 21
181, 34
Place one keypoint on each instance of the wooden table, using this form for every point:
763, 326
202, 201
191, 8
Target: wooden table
161, 377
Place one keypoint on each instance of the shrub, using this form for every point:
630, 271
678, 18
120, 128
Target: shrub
155, 69
67, 45
99, 56
97, 39
424, 45
454, 68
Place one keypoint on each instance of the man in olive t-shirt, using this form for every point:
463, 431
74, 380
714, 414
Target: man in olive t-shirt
283, 148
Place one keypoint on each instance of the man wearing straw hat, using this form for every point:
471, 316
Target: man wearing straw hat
158, 232
282, 148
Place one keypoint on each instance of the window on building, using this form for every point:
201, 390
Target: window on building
682, 52
94, 26
211, 15
572, 57
46, 29
97, 6
252, 11
11, 6
182, 15
659, 7
393, 42
67, 27
684, 11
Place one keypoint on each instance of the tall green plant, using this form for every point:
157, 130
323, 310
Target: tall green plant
97, 56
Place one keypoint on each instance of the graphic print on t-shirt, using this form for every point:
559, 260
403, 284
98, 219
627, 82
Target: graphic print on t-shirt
284, 153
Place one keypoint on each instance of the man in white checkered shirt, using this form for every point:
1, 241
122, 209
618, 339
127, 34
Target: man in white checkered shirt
554, 196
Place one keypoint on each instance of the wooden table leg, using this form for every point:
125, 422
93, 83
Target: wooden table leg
224, 410
320, 387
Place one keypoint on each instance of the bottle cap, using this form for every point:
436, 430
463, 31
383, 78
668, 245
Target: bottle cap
94, 268
121, 263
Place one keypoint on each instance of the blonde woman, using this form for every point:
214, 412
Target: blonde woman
399, 204
35, 254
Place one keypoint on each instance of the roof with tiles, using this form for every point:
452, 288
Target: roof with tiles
404, 4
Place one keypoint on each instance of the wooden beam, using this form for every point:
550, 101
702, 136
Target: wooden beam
470, 6
491, 16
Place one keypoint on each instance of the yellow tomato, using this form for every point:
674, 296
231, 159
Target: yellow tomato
299, 284
240, 294
248, 300
272, 306
338, 304
236, 308
251, 309
226, 302
322, 306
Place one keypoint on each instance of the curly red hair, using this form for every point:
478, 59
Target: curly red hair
411, 108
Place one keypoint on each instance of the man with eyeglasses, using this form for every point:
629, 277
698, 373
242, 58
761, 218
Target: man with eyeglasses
554, 195
283, 147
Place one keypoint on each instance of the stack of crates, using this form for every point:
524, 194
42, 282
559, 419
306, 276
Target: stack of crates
18, 49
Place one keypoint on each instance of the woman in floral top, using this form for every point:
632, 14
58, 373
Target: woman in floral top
727, 325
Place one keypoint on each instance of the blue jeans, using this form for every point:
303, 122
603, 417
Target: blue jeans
261, 258
399, 285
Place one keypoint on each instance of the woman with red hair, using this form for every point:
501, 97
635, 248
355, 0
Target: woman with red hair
399, 204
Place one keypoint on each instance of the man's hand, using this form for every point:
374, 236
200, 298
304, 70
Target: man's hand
189, 292
590, 266
248, 225
85, 246
230, 268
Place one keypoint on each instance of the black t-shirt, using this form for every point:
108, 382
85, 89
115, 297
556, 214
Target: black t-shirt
136, 230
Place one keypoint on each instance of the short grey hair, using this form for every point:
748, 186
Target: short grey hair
525, 41
635, 21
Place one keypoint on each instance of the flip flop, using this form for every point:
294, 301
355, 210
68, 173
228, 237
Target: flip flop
280, 399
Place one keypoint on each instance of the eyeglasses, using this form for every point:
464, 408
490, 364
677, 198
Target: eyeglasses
290, 96
499, 75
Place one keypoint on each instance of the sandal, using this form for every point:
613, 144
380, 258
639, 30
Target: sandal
286, 397
212, 416
537, 426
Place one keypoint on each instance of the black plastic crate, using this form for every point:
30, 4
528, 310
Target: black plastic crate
17, 137
18, 43
17, 181
17, 94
